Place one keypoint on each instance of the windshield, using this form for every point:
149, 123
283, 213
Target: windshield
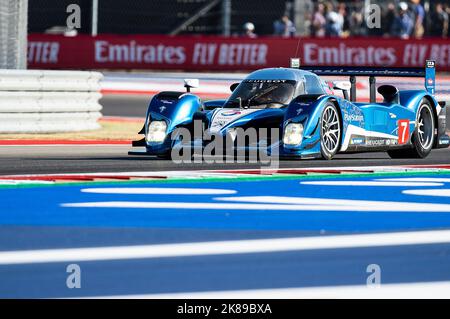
262, 94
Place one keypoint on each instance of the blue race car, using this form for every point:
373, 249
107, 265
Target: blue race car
311, 121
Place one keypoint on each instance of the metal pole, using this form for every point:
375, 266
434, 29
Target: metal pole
353, 88
22, 35
226, 18
13, 34
94, 26
373, 94
204, 10
366, 10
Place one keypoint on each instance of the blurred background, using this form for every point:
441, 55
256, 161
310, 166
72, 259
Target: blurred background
344, 18
146, 46
231, 35
206, 35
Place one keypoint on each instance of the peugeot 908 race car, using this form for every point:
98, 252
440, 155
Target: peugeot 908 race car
312, 121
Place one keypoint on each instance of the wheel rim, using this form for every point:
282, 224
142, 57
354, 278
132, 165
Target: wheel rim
425, 127
330, 129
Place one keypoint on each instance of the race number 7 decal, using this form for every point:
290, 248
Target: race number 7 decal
403, 131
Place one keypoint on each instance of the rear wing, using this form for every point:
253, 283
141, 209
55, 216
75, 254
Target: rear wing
428, 73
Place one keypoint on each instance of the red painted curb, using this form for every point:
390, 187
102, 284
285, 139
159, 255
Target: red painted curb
63, 142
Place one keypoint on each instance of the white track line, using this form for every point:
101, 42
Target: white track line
426, 290
224, 247
428, 192
372, 183
159, 191
323, 204
298, 205
417, 179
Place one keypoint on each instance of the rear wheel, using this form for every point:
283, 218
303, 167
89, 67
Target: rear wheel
330, 131
423, 137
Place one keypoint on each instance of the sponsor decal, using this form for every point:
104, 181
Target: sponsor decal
162, 108
132, 52
43, 52
376, 142
353, 117
231, 113
381, 142
343, 54
403, 131
218, 53
431, 64
264, 81
225, 117
358, 141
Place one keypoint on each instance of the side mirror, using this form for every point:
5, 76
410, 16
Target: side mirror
191, 83
233, 86
344, 86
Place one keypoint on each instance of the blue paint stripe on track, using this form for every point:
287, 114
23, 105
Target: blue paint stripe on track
214, 273
43, 237
32, 218
41, 207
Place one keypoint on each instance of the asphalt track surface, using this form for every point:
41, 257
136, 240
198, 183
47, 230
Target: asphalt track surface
60, 159
262, 238
125, 105
148, 243
279, 237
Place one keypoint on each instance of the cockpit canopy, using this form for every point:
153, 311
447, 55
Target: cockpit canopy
261, 93
275, 93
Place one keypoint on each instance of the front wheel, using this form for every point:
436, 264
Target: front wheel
423, 137
330, 131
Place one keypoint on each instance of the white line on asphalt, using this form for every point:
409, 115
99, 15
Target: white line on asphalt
372, 183
428, 192
274, 203
342, 204
426, 290
224, 247
159, 191
417, 179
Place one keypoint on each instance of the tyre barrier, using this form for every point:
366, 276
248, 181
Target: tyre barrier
37, 101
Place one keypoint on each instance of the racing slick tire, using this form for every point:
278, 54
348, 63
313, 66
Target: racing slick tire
330, 131
423, 138
165, 156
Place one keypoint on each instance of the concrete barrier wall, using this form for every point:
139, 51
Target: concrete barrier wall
37, 101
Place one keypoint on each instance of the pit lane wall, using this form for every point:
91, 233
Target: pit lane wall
37, 101
213, 53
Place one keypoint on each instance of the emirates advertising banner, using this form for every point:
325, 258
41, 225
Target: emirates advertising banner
227, 54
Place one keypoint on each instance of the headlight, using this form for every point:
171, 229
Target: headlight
293, 134
156, 131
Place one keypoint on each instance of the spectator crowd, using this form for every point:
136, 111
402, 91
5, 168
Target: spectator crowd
403, 19
347, 18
